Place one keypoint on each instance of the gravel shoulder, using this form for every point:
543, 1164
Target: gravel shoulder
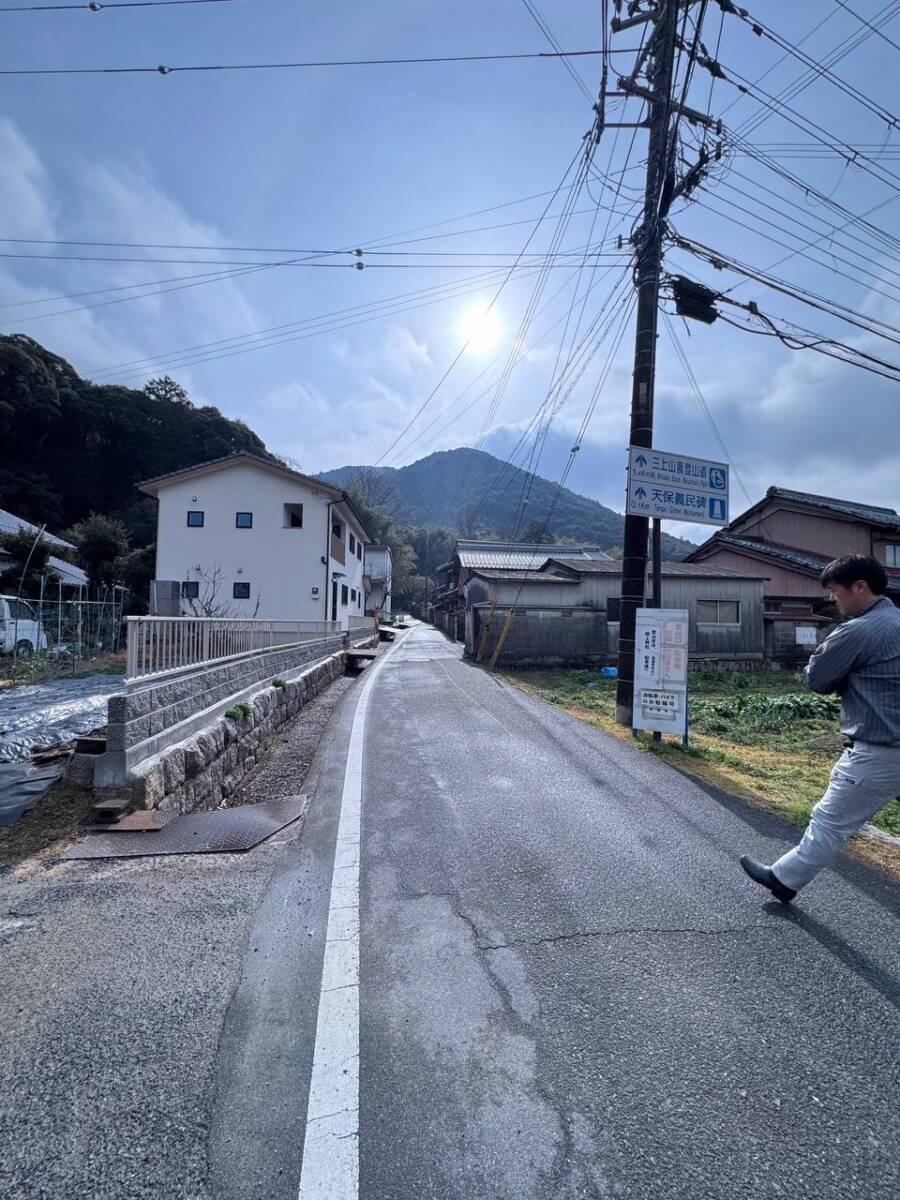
119, 976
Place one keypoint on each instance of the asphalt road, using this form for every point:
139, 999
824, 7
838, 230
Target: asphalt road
566, 987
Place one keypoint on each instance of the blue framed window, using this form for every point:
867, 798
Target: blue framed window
195, 519
241, 591
243, 520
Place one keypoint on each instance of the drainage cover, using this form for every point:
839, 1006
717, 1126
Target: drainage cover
224, 831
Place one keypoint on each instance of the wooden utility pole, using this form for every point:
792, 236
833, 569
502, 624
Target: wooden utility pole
649, 239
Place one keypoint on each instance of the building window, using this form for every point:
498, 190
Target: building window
343, 593
293, 516
337, 530
614, 608
243, 520
195, 519
892, 554
353, 595
241, 591
352, 541
359, 550
190, 589
718, 612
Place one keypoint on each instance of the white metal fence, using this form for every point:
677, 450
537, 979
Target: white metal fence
163, 645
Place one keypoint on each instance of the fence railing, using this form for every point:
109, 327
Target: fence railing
164, 645
361, 622
359, 628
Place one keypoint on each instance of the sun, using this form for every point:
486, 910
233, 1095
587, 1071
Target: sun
480, 329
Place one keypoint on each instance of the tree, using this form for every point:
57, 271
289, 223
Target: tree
28, 554
207, 602
134, 571
165, 388
101, 543
537, 533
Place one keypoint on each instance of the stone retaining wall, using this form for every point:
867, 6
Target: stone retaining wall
202, 771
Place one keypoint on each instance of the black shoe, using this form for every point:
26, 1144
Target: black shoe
760, 873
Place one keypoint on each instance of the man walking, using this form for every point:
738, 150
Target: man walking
860, 661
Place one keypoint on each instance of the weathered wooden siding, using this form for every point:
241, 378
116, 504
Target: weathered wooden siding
820, 534
782, 581
746, 639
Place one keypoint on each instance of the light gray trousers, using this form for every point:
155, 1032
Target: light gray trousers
863, 780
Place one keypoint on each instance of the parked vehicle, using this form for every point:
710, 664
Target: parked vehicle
21, 633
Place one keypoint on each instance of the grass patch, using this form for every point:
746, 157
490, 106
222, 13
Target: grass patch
759, 735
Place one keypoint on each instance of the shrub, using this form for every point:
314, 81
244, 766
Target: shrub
279, 683
239, 711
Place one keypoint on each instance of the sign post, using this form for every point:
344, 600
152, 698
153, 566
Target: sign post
661, 671
674, 487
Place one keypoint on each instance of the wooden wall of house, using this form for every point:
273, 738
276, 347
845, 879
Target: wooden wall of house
746, 639
781, 581
532, 594
820, 534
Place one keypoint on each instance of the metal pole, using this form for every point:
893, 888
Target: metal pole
657, 580
649, 260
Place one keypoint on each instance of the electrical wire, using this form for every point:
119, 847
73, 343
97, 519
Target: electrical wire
95, 6
289, 66
545, 29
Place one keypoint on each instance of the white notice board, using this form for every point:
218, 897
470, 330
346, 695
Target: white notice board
661, 670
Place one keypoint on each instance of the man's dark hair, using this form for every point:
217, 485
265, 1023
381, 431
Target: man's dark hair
855, 568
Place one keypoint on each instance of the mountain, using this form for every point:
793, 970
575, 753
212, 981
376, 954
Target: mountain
475, 494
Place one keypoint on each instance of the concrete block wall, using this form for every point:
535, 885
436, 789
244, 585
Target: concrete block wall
147, 712
202, 771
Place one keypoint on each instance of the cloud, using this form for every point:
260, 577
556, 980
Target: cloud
404, 351
27, 196
116, 324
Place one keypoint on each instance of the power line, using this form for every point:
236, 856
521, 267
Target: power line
545, 29
291, 66
874, 28
820, 69
96, 7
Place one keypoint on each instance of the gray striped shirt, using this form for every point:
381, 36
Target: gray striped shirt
861, 661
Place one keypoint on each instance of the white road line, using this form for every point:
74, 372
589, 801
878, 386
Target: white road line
330, 1169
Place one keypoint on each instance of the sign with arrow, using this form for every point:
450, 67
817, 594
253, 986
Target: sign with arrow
674, 487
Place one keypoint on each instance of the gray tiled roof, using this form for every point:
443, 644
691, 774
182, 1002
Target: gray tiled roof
518, 556
523, 576
806, 560
803, 560
9, 523
876, 514
679, 569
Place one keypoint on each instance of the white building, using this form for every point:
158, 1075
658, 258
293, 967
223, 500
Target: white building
246, 537
379, 564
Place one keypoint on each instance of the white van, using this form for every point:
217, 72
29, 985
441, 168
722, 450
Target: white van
20, 631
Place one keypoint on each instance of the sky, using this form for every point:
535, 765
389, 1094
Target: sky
312, 164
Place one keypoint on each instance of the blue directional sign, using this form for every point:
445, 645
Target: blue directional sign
674, 487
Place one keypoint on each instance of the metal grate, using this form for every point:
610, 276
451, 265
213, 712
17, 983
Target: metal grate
224, 831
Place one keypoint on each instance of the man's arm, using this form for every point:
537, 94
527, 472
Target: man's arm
831, 663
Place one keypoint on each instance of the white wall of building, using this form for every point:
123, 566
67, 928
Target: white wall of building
349, 573
284, 566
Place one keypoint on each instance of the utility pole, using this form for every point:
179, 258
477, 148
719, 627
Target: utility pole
649, 239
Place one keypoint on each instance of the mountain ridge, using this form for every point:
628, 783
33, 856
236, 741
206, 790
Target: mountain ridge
427, 492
